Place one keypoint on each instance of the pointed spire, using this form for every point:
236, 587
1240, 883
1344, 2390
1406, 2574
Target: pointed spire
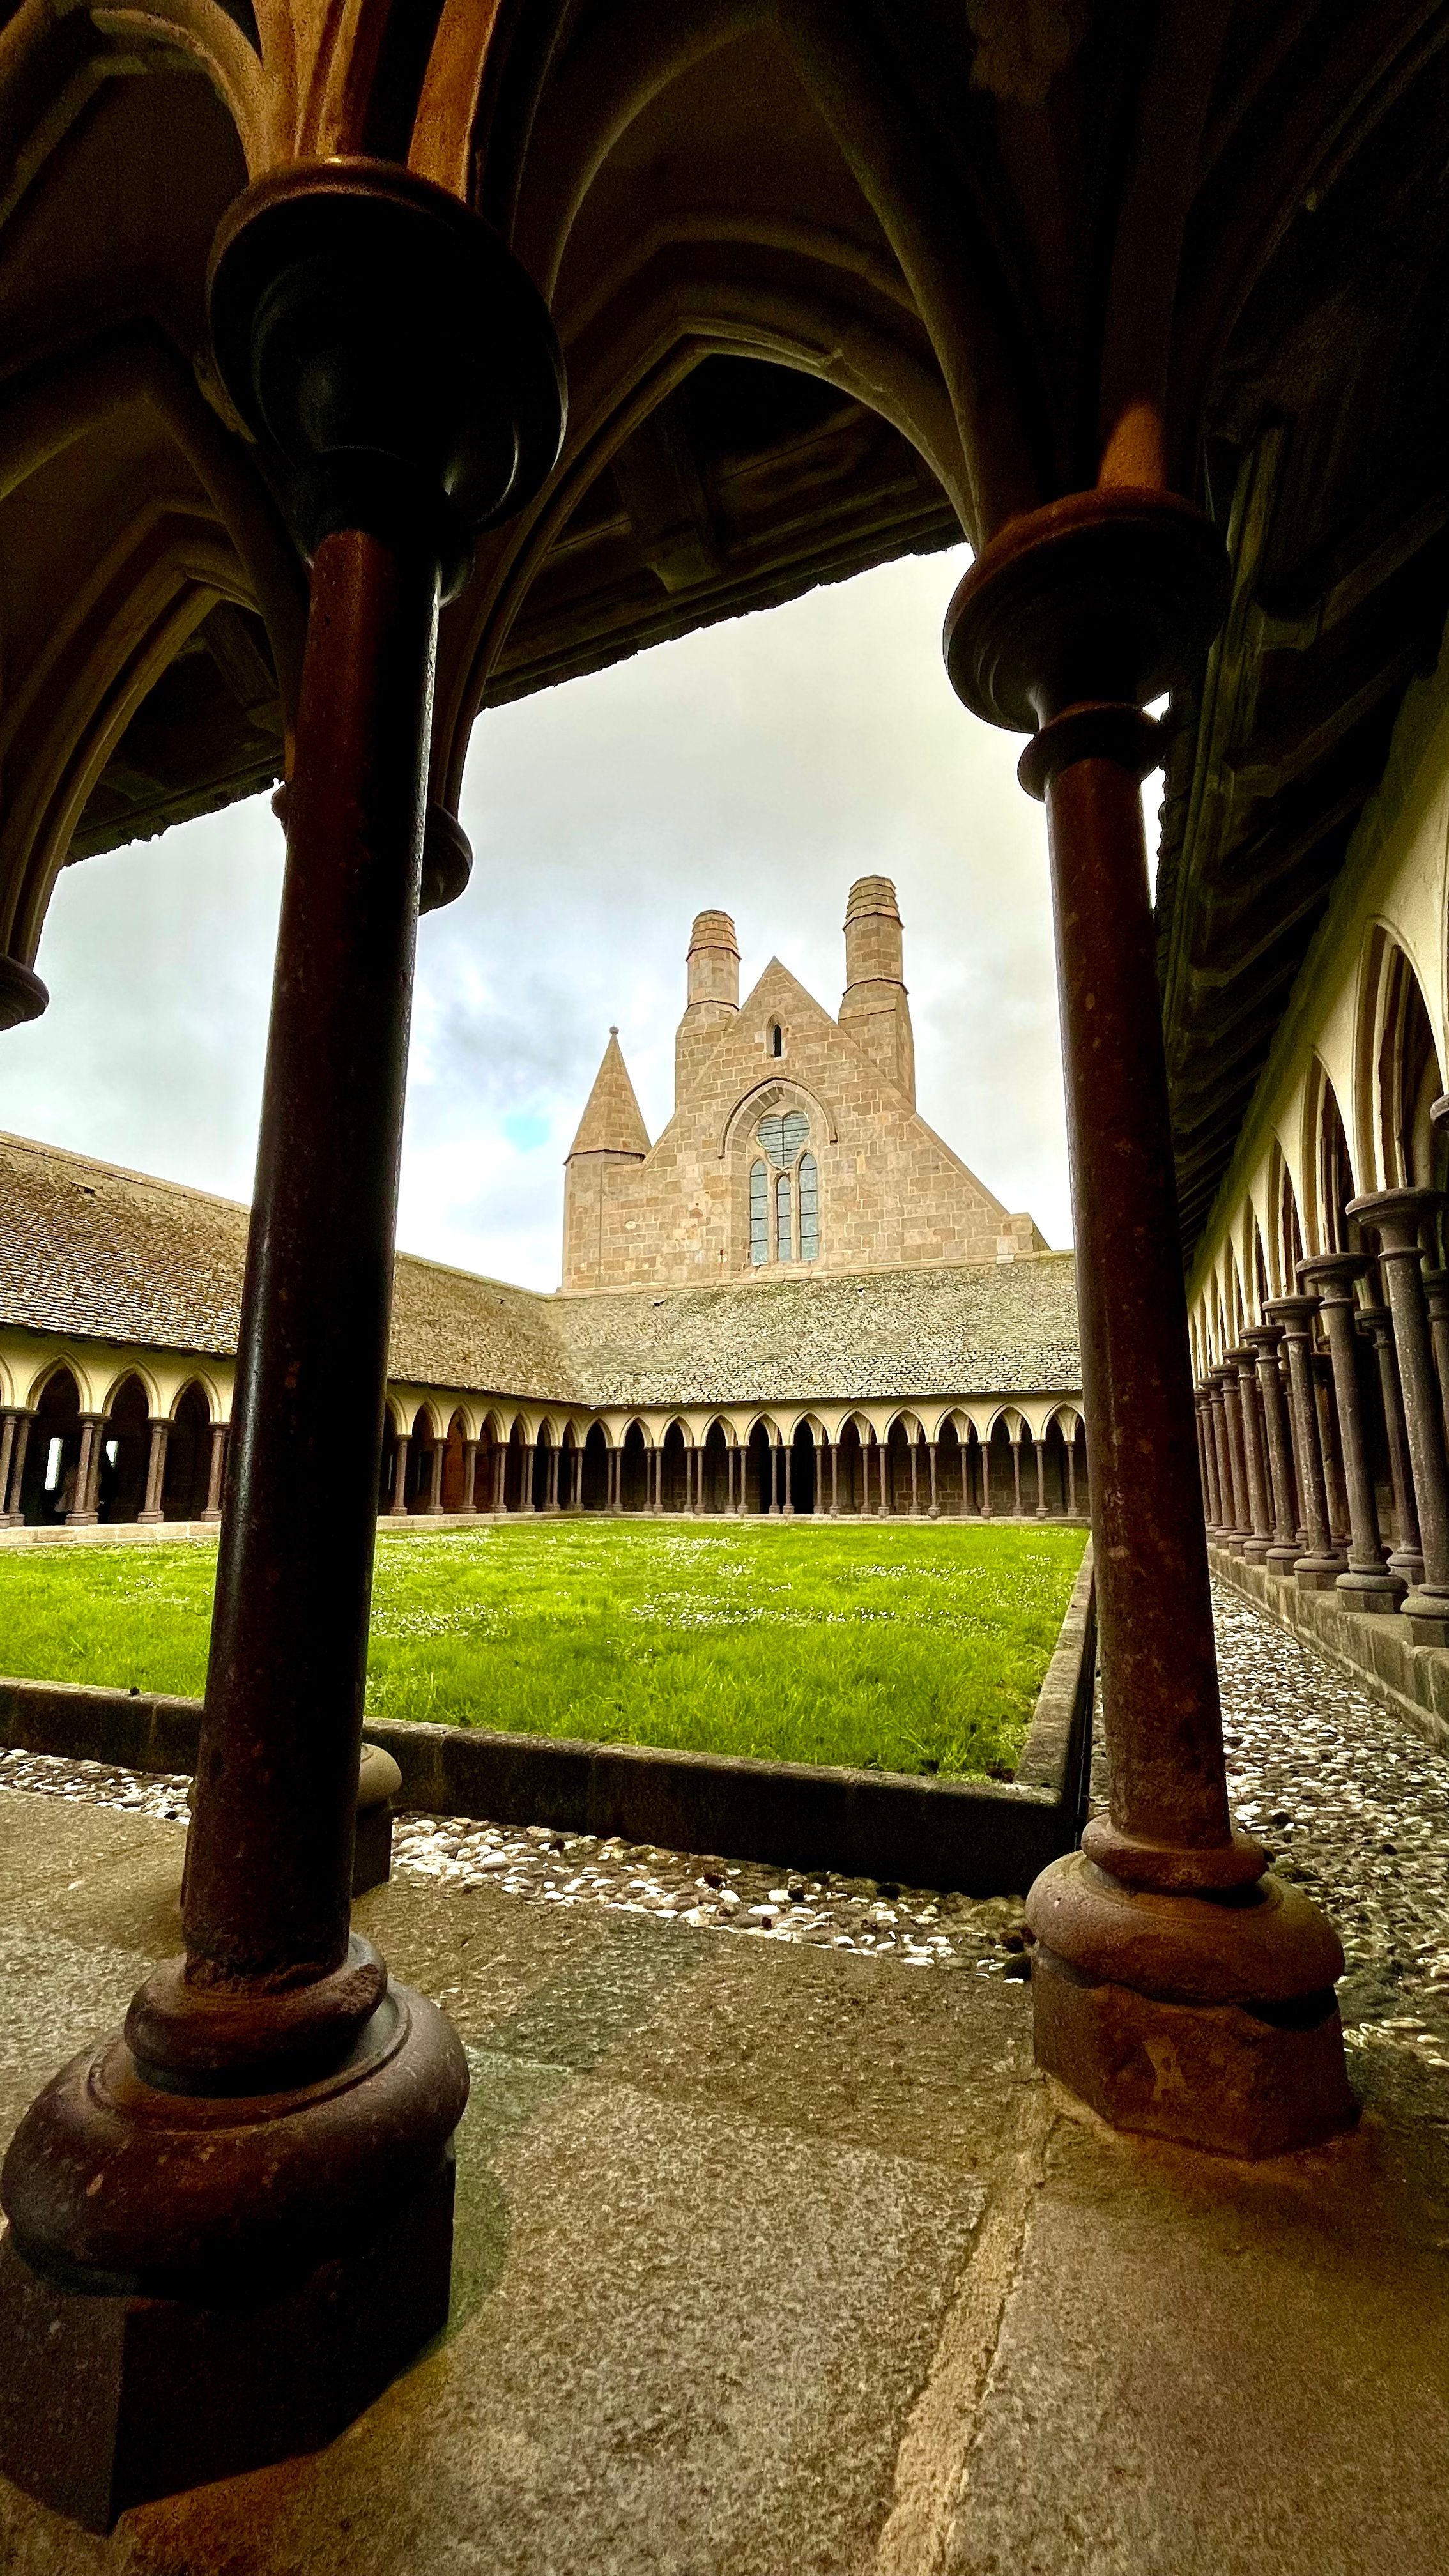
611, 1123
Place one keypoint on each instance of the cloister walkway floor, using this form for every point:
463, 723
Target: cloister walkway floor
777, 2259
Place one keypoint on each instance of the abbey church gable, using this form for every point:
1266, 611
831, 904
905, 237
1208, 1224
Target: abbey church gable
795, 1140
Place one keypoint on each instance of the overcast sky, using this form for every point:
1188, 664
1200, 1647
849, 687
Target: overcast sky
759, 766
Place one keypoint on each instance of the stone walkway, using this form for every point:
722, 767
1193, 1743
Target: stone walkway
1351, 1804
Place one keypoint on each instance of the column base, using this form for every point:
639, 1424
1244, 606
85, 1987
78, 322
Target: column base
1428, 1616
1316, 1573
211, 1518
1406, 1566
82, 1520
1256, 1551
1207, 2019
1281, 1560
1217, 2076
1372, 1595
149, 1520
108, 2399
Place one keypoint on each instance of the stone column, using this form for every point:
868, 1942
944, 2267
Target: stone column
1398, 1217
272, 2273
1320, 1565
1016, 1473
887, 1496
985, 1448
7, 1451
1236, 1538
1072, 1475
1211, 1491
555, 1456
399, 1501
1365, 1582
1436, 1298
530, 1456
1329, 1433
83, 1515
15, 1502
835, 1480
1260, 1524
788, 1447
1265, 1340
155, 1472
915, 1512
935, 1508
1222, 1451
1041, 1500
1295, 1482
437, 1459
500, 1479
1406, 1558
470, 1476
215, 1469
1071, 619
616, 1478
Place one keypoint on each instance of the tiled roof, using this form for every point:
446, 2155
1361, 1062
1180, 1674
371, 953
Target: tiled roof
87, 1249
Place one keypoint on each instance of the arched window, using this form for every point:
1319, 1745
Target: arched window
759, 1214
785, 1223
777, 1038
809, 1209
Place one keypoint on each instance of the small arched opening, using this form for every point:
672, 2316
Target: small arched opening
455, 1496
634, 1471
715, 1469
802, 1468
760, 1483
594, 1482
125, 1453
188, 1458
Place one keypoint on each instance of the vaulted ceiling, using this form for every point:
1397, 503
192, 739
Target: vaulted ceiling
836, 280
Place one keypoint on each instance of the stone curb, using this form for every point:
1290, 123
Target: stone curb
1378, 1653
983, 1838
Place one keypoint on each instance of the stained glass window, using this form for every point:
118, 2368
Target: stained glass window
784, 1247
782, 1138
809, 1209
759, 1214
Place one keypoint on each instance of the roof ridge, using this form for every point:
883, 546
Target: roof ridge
120, 1171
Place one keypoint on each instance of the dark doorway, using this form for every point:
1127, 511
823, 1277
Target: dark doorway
595, 1494
716, 1469
802, 1469
760, 1490
52, 1457
634, 1469
188, 1458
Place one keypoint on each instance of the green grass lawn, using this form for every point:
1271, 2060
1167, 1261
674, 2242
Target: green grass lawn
910, 1648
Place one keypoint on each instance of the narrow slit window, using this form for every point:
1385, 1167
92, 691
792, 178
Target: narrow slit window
784, 1248
809, 1209
759, 1214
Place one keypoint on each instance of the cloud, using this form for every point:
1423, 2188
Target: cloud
759, 766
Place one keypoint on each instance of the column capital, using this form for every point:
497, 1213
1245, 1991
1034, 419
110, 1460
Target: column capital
1396, 1216
1263, 1337
1295, 1314
1333, 1274
1374, 1322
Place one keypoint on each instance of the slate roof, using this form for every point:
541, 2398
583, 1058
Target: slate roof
90, 1250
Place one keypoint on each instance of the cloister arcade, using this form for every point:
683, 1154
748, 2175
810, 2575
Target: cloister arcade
1320, 1295
90, 1435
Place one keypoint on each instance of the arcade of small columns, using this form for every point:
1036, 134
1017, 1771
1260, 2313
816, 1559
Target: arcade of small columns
875, 1461
116, 1443
1321, 1309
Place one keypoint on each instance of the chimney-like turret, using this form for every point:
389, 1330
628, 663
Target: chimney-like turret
874, 1009
714, 995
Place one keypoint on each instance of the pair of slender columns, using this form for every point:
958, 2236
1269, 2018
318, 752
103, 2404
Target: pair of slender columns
1400, 1218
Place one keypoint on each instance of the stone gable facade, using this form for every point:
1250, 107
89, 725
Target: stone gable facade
737, 1188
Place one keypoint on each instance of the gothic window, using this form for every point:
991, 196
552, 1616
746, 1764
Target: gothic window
759, 1214
777, 1038
809, 1183
784, 1192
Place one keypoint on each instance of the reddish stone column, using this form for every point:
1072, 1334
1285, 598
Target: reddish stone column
1399, 1218
398, 1501
1072, 1475
1212, 1491
82, 1516
437, 1460
1069, 622
554, 1455
155, 1472
215, 1470
915, 1512
470, 1477
230, 2226
1222, 1451
1041, 1501
1266, 1340
7, 1451
1406, 1557
1331, 1440
1365, 1582
835, 1480
15, 1504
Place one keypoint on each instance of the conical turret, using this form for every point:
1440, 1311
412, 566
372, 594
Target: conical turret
611, 1132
